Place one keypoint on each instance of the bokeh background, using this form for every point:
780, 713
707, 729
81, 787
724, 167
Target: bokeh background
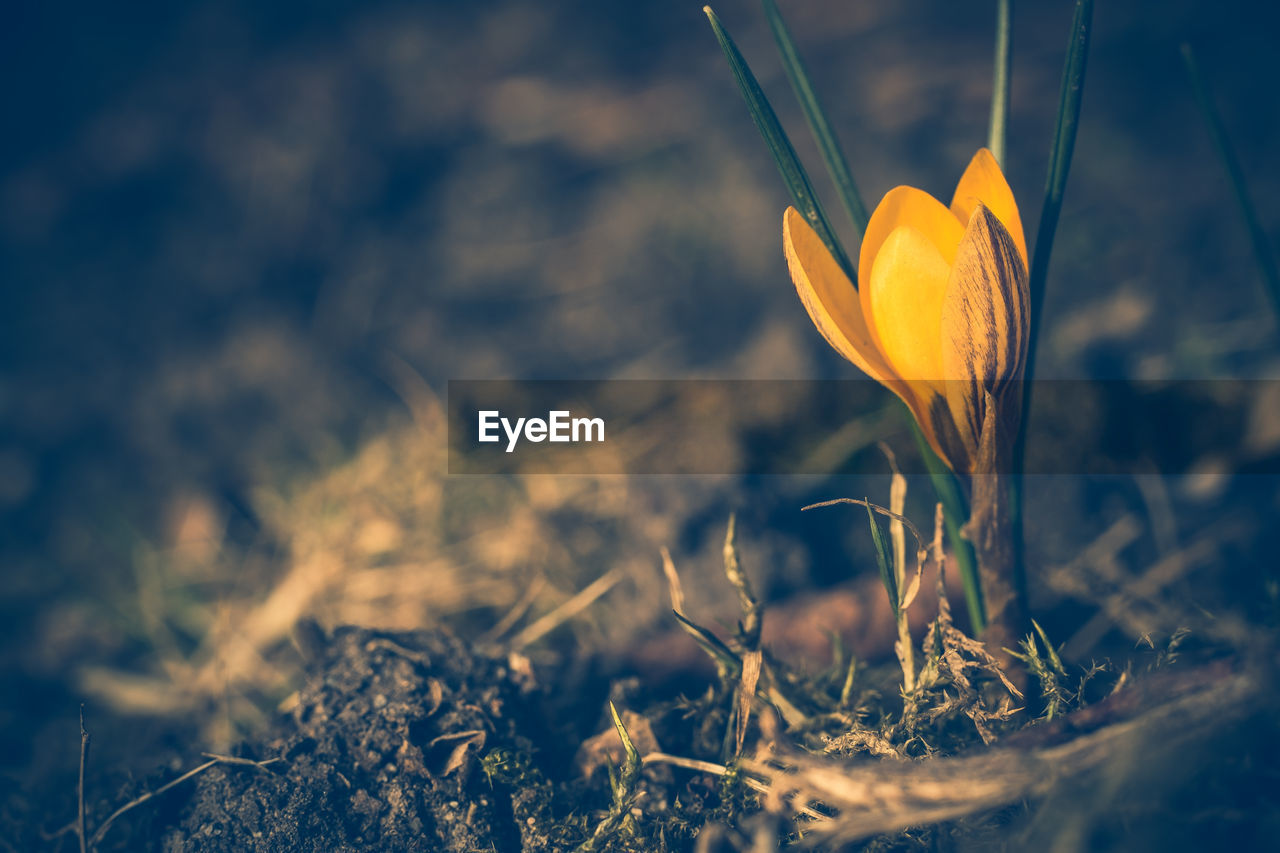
243, 246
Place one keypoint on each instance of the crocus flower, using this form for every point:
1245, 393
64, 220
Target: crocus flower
940, 314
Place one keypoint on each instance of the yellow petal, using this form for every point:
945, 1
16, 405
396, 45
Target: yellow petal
832, 303
907, 286
903, 206
829, 297
983, 182
984, 323
908, 206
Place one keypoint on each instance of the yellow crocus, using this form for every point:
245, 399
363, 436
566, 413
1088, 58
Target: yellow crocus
940, 315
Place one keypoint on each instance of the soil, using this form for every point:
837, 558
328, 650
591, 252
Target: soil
396, 742
420, 741
380, 752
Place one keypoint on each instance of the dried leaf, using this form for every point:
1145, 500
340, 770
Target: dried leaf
458, 745
751, 665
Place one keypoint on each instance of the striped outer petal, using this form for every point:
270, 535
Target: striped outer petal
985, 321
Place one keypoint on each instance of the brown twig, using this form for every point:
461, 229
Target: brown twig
246, 762
142, 798
575, 605
720, 770
875, 508
516, 613
84, 753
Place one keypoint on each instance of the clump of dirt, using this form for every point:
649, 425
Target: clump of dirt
382, 751
408, 741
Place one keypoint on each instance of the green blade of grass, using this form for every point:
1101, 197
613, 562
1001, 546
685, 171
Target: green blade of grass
884, 561
1064, 141
726, 661
784, 154
1262, 253
955, 514
1050, 652
828, 144
997, 132
631, 768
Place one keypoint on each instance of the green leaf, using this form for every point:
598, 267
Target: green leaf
997, 133
884, 560
1064, 143
784, 154
828, 144
631, 769
728, 662
1054, 660
1262, 253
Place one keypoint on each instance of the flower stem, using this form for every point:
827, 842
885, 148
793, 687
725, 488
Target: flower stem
955, 514
990, 529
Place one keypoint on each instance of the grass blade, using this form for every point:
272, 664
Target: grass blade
884, 561
728, 663
1050, 651
784, 154
997, 132
828, 144
631, 768
749, 624
1064, 143
1213, 121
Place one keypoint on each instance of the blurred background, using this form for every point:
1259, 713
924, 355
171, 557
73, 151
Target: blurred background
243, 246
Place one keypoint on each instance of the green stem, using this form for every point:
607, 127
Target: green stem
956, 515
997, 133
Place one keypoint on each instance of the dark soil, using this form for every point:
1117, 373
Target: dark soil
381, 752
421, 741
400, 742
410, 741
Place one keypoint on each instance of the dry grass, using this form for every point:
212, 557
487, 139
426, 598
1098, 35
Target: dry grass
859, 800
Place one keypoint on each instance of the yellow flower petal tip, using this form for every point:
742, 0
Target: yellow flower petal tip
940, 315
983, 182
